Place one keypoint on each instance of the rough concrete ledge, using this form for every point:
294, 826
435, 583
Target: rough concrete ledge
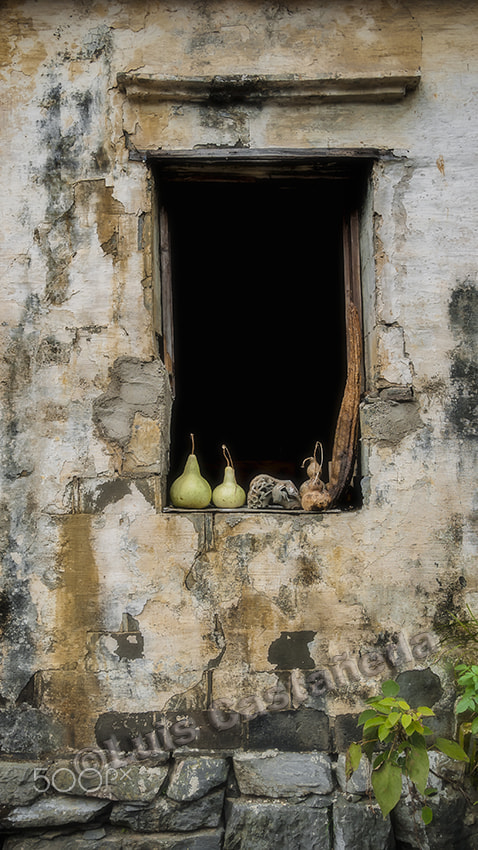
255, 88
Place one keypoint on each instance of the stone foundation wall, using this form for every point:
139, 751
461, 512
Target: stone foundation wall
220, 801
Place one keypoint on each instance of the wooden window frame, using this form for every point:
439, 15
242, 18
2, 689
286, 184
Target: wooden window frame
237, 163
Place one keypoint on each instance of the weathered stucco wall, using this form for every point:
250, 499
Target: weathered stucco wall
108, 605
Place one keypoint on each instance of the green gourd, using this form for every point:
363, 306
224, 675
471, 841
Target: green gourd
228, 494
190, 490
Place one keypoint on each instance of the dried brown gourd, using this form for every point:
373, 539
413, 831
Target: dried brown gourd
314, 495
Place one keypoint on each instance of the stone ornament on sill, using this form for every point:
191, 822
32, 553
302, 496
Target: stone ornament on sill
265, 491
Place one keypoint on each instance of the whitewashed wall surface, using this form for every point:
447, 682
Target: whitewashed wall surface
225, 631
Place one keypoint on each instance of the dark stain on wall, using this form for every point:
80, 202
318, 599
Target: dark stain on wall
32, 692
5, 519
18, 361
59, 146
4, 610
110, 246
420, 687
51, 351
97, 43
101, 159
63, 142
130, 646
18, 638
464, 401
146, 488
290, 651
455, 529
126, 728
449, 603
84, 102
299, 730
106, 494
54, 237
462, 409
463, 311
130, 641
29, 730
18, 531
285, 600
308, 571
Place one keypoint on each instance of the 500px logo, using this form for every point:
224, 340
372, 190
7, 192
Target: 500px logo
89, 771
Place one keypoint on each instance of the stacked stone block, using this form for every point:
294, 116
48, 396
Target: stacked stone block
217, 801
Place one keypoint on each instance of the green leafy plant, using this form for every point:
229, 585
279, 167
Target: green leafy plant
394, 741
467, 682
459, 641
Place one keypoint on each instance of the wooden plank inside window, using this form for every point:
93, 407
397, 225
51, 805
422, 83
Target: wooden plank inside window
156, 274
344, 451
166, 294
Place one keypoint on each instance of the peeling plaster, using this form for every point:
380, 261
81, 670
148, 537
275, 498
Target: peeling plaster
112, 611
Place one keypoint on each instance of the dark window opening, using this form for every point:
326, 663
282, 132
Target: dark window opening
256, 268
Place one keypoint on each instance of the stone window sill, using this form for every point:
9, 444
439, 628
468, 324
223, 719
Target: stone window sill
252, 511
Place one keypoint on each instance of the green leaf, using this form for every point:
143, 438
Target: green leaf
427, 815
390, 688
451, 749
369, 735
430, 792
474, 725
366, 715
374, 721
464, 704
383, 731
368, 748
425, 711
352, 759
418, 766
406, 721
387, 786
393, 717
418, 741
386, 703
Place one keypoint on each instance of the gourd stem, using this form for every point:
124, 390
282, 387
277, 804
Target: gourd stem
192, 442
321, 453
227, 455
319, 470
